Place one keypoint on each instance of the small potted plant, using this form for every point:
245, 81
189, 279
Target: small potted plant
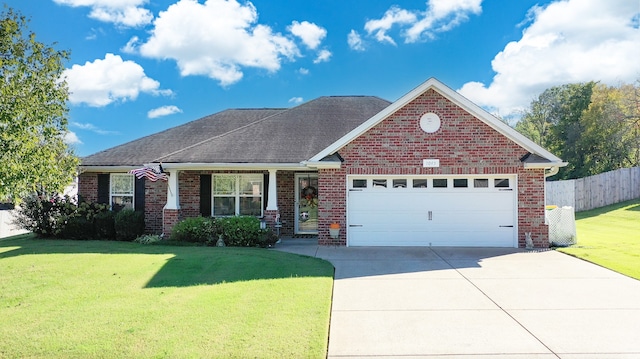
334, 230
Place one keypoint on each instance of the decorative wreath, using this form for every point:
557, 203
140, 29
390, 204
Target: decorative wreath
309, 197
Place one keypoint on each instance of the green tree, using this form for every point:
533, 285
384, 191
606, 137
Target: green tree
33, 110
554, 122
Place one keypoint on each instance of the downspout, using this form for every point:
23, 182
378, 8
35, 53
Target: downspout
551, 171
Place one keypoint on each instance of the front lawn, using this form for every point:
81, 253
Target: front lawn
610, 236
98, 299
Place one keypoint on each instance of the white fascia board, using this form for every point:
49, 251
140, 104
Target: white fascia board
545, 165
232, 166
114, 169
323, 164
454, 97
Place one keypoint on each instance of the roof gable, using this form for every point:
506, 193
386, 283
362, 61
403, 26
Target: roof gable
456, 98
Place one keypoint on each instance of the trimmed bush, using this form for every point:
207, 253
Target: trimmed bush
78, 228
244, 231
129, 225
105, 226
194, 230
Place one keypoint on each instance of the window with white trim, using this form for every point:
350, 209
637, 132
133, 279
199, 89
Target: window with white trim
237, 195
121, 191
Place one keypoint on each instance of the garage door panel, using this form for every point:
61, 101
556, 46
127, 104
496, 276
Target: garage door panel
437, 217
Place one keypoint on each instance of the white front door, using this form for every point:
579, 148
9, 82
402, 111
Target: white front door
306, 204
432, 211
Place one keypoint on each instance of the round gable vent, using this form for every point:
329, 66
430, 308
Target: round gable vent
430, 122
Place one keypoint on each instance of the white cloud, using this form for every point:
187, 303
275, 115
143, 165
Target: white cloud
132, 46
216, 39
565, 42
129, 13
391, 17
310, 33
355, 41
303, 71
323, 56
102, 82
296, 100
440, 16
163, 111
92, 128
71, 138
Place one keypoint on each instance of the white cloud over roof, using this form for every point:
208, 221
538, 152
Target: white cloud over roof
440, 16
564, 42
216, 39
107, 80
163, 111
129, 13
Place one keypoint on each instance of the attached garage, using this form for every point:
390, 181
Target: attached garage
432, 211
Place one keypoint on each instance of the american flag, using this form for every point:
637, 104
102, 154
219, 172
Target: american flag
150, 173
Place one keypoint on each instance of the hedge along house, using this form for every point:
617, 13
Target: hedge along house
431, 168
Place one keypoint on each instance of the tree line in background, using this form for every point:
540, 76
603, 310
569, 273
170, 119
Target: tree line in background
592, 126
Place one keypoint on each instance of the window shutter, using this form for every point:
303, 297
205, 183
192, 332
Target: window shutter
205, 195
103, 188
265, 191
139, 195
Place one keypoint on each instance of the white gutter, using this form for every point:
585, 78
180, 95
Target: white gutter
323, 164
239, 166
107, 168
551, 168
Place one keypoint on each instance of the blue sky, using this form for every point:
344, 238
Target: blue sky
141, 66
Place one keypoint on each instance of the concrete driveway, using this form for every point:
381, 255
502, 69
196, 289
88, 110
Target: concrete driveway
476, 303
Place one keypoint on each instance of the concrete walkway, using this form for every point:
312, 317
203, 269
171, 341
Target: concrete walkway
476, 303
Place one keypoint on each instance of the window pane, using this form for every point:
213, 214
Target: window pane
380, 183
224, 206
440, 183
460, 183
501, 183
420, 183
251, 185
251, 206
122, 184
359, 183
224, 185
120, 202
481, 183
399, 183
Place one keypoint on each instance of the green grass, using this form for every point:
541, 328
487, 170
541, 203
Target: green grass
610, 236
80, 299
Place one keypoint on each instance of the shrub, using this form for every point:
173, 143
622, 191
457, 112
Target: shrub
43, 215
105, 227
244, 231
78, 228
148, 239
129, 224
194, 230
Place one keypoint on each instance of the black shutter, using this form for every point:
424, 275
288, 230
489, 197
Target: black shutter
265, 191
103, 188
139, 195
205, 195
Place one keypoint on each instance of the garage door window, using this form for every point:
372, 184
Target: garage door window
380, 183
460, 183
501, 183
399, 183
359, 183
481, 183
440, 183
420, 183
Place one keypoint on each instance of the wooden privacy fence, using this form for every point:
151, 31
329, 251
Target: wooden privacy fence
595, 191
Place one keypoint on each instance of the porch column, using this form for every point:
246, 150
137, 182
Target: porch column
272, 202
173, 198
171, 211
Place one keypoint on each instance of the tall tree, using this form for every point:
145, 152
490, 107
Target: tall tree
554, 122
33, 110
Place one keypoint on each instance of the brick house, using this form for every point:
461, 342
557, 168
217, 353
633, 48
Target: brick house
431, 168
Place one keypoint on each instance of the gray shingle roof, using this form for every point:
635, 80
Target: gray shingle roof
248, 135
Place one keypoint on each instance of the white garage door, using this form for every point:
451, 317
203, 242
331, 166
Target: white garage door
476, 211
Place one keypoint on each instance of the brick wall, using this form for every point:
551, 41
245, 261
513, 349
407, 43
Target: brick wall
155, 197
464, 145
88, 186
